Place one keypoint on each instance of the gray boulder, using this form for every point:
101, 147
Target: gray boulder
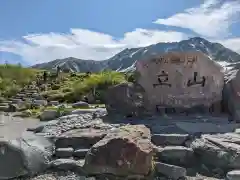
181, 80
171, 171
125, 99
27, 155
233, 175
231, 95
53, 103
219, 151
80, 104
49, 114
67, 165
178, 155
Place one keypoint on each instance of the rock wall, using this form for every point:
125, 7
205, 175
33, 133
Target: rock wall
181, 80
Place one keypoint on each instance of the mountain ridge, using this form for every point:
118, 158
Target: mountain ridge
126, 59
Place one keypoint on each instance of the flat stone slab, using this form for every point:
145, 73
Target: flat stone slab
171, 171
80, 153
207, 128
169, 139
178, 155
233, 175
80, 138
64, 152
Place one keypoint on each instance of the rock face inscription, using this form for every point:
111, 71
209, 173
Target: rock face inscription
181, 79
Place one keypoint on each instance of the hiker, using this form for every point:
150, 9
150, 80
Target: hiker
45, 76
58, 70
85, 99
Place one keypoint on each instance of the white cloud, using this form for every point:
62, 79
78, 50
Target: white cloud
82, 43
212, 19
233, 44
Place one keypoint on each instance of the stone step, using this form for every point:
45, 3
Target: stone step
4, 108
80, 138
80, 153
67, 165
171, 171
64, 152
169, 139
4, 104
177, 155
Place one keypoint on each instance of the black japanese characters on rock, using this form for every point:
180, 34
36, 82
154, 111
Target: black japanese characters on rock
194, 81
162, 80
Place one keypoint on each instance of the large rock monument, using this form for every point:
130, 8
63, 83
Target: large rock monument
181, 80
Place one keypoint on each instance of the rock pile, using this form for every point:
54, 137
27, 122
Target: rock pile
87, 146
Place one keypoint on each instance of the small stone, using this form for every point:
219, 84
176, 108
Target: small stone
170, 171
64, 152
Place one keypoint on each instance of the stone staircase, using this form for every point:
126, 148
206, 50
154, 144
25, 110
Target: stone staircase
28, 95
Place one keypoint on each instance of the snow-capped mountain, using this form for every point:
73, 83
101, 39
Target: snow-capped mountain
126, 59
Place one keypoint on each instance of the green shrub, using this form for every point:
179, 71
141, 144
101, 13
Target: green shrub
13, 78
56, 97
100, 81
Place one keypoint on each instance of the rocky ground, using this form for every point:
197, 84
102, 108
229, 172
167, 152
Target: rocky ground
90, 144
12, 127
183, 146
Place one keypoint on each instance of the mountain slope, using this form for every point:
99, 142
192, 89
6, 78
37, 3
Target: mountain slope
126, 59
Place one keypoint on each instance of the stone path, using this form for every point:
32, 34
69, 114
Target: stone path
12, 127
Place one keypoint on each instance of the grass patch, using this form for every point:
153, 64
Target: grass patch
68, 87
13, 78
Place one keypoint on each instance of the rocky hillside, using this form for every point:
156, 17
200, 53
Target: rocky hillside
126, 59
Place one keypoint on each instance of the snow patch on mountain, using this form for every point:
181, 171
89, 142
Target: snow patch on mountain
126, 59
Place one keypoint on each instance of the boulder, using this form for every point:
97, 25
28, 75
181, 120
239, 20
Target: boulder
67, 165
233, 175
231, 94
39, 103
80, 104
27, 155
80, 138
219, 151
53, 103
125, 99
171, 171
49, 114
125, 151
178, 155
181, 80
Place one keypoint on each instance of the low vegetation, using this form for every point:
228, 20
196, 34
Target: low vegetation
67, 87
13, 78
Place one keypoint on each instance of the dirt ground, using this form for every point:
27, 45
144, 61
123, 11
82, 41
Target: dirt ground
12, 127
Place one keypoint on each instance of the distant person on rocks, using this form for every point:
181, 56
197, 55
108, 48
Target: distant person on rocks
85, 99
45, 76
58, 70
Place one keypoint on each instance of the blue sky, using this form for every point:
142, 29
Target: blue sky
39, 31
